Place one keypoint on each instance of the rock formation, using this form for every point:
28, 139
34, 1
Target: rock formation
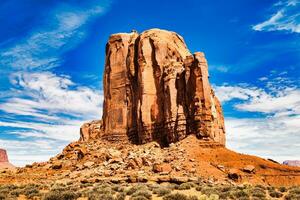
156, 90
3, 156
4, 163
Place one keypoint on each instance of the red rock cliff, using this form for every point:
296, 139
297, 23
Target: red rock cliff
156, 90
3, 156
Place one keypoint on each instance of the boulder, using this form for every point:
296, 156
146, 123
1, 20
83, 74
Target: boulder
56, 166
234, 174
88, 164
162, 168
248, 169
91, 130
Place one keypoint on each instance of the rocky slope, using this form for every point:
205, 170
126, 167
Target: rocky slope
187, 160
156, 90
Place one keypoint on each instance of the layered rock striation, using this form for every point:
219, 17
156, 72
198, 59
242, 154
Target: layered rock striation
156, 90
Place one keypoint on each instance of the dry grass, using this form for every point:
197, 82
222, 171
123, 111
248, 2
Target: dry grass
186, 191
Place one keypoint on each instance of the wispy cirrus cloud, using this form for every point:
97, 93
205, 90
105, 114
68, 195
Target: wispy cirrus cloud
45, 107
41, 111
35, 94
285, 18
45, 45
275, 131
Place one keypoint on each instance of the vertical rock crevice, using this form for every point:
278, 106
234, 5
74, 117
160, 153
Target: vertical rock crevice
156, 90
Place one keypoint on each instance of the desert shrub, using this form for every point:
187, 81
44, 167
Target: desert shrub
142, 193
257, 198
193, 197
32, 193
186, 186
224, 195
120, 196
55, 195
8, 187
161, 191
294, 193
96, 196
16, 192
135, 188
138, 198
213, 197
295, 190
261, 187
103, 190
282, 189
224, 192
258, 192
292, 197
241, 187
240, 194
207, 190
203, 197
152, 187
270, 188
31, 190
275, 194
224, 189
176, 196
172, 186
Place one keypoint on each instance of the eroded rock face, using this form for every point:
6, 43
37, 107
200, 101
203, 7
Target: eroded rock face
156, 90
4, 162
3, 156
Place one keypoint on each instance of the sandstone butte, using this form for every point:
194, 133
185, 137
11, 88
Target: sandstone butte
155, 89
4, 163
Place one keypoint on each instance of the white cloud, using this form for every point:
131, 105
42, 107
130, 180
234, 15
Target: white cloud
226, 93
44, 46
263, 78
220, 68
26, 152
280, 95
287, 18
51, 92
283, 101
274, 131
54, 107
271, 137
42, 111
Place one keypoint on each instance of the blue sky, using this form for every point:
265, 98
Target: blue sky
52, 58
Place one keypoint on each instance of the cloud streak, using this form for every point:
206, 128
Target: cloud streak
287, 18
46, 107
42, 111
274, 134
43, 48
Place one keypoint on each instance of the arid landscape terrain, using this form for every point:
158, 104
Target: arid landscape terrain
162, 136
